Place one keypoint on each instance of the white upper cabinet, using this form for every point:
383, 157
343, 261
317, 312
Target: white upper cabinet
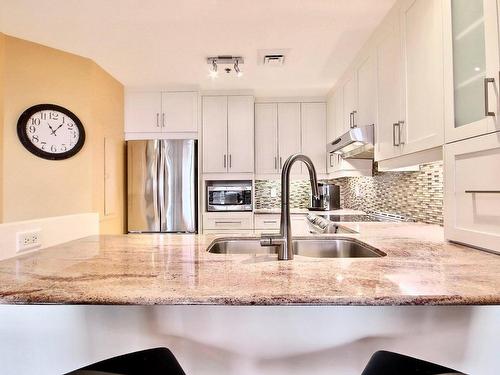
366, 110
158, 112
266, 138
143, 112
289, 141
214, 120
179, 111
240, 133
472, 66
284, 129
313, 120
422, 37
228, 128
389, 88
349, 104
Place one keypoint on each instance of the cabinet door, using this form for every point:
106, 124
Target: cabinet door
422, 35
215, 134
142, 112
289, 133
240, 125
266, 138
471, 55
330, 127
472, 191
313, 125
367, 91
179, 111
349, 103
389, 88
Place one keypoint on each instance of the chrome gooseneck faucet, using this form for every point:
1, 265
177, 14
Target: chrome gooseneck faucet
283, 240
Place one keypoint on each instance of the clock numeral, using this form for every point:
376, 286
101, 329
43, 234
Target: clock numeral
32, 129
53, 115
35, 121
70, 125
74, 134
63, 147
43, 115
35, 139
43, 145
53, 148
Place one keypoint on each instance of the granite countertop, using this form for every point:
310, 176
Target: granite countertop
419, 269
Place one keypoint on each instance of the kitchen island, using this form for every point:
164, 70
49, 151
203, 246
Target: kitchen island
148, 269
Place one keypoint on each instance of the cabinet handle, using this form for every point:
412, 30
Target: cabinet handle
224, 160
275, 162
157, 120
163, 120
486, 99
230, 162
228, 222
354, 119
281, 164
350, 120
270, 221
401, 123
331, 165
482, 191
396, 124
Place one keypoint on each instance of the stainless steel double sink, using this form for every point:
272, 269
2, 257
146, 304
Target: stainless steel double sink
338, 247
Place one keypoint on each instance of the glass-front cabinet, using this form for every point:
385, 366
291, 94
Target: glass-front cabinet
471, 68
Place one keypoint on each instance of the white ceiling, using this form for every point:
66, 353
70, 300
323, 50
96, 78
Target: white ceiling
164, 43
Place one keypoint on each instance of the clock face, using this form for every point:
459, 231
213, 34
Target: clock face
51, 132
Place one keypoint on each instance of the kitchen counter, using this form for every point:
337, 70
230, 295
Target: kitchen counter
419, 269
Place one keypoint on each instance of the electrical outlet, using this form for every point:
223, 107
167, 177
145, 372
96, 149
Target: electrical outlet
274, 193
29, 240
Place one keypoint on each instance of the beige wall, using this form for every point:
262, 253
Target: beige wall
34, 187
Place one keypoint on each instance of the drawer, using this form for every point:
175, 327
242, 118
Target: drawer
225, 232
227, 221
267, 221
472, 192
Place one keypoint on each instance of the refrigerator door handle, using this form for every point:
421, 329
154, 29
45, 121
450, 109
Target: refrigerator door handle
161, 183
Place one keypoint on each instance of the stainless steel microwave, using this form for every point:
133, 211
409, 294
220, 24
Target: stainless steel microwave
229, 196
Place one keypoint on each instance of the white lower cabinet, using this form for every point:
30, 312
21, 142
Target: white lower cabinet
227, 221
267, 222
472, 192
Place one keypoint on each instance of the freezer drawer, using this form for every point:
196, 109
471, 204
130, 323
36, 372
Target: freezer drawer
472, 192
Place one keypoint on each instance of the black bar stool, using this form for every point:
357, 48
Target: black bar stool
389, 363
156, 361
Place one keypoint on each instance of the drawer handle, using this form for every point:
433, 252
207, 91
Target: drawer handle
270, 221
228, 222
486, 99
482, 191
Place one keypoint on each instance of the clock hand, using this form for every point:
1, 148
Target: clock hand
54, 132
51, 130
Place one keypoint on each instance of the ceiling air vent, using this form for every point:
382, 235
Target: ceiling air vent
274, 60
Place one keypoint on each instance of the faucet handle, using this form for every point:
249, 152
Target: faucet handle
271, 239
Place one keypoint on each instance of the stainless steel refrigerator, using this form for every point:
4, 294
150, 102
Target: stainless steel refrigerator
162, 186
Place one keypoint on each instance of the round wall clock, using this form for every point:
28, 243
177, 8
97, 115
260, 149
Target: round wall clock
51, 131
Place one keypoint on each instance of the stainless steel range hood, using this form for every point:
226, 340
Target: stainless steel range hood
357, 143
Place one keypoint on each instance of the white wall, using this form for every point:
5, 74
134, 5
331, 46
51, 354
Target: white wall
54, 231
249, 340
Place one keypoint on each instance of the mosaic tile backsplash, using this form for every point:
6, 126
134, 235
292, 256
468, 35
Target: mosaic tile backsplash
416, 195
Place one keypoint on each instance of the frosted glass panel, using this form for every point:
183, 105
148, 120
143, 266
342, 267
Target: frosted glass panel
469, 60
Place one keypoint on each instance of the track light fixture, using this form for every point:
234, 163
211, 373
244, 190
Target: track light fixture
231, 62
